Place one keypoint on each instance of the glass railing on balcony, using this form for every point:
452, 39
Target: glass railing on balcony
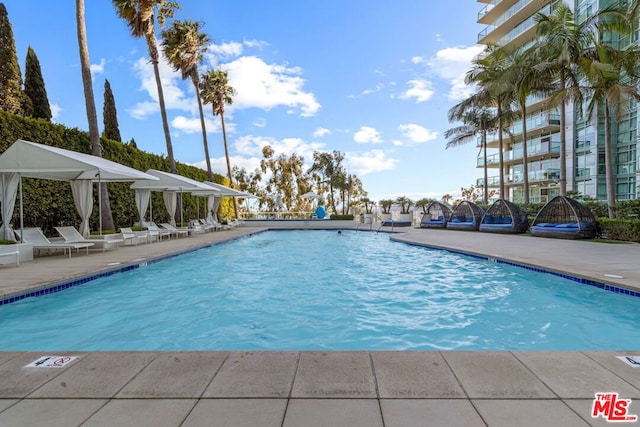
519, 29
537, 121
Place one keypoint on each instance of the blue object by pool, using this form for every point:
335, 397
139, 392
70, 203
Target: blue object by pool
320, 212
314, 289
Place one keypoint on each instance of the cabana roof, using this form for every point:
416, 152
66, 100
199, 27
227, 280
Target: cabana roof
166, 181
504, 216
32, 160
436, 216
437, 209
563, 217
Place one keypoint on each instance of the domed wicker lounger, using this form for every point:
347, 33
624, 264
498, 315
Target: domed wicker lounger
504, 217
564, 218
466, 216
436, 216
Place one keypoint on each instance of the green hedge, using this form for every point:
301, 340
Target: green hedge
619, 229
335, 217
48, 204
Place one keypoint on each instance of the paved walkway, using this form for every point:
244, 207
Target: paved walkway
323, 388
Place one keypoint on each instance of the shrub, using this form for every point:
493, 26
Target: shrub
620, 229
7, 242
336, 217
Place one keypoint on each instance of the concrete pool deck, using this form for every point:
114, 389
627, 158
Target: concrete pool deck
440, 388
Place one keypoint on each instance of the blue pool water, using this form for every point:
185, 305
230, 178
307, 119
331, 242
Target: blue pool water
302, 290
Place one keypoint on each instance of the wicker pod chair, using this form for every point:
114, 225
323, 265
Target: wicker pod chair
436, 216
564, 218
465, 216
504, 216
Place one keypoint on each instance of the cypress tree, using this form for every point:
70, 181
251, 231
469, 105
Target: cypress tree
34, 87
11, 96
110, 115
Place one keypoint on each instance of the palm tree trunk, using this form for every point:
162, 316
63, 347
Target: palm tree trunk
152, 45
485, 196
500, 151
525, 155
204, 132
92, 117
226, 154
563, 141
608, 162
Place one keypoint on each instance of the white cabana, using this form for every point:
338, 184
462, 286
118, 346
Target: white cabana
170, 184
32, 160
213, 201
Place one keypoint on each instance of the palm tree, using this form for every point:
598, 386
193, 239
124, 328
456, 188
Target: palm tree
526, 79
476, 121
488, 72
140, 17
561, 41
106, 218
612, 82
183, 45
215, 90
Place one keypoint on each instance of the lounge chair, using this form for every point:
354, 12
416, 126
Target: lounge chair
175, 231
71, 235
157, 232
207, 226
36, 237
130, 237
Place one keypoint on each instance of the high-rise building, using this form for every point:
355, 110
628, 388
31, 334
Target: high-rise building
511, 23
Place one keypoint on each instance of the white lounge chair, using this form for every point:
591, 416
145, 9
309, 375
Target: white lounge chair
71, 235
36, 237
130, 237
175, 231
157, 232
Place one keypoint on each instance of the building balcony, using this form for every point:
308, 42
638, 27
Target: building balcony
535, 152
540, 177
537, 124
505, 30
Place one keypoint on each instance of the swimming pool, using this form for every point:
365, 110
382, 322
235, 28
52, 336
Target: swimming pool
310, 289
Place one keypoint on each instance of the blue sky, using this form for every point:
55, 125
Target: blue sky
367, 78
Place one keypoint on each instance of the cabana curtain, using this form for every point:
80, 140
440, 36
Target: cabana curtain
82, 191
171, 203
9, 187
142, 196
211, 203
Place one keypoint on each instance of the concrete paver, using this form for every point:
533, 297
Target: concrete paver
255, 374
414, 374
345, 374
323, 388
429, 412
333, 412
237, 413
528, 413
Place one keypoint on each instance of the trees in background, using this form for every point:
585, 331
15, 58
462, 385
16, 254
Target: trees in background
110, 115
12, 98
34, 87
92, 117
140, 16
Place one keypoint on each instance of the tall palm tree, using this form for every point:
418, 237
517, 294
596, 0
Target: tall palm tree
215, 90
183, 45
561, 41
476, 120
521, 72
488, 72
140, 17
106, 219
612, 82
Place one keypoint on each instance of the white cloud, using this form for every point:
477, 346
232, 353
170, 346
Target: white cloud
217, 52
420, 90
416, 134
192, 125
174, 97
267, 86
321, 132
98, 68
452, 64
252, 145
255, 43
55, 111
370, 162
370, 91
219, 164
367, 134
260, 122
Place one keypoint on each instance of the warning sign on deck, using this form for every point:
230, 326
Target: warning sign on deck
633, 361
52, 362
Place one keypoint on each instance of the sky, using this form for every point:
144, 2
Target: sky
371, 79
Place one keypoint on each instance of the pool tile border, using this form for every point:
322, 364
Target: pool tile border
582, 280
